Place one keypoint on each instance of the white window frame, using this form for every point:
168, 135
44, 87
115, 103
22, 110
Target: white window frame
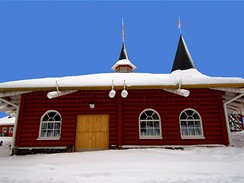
160, 126
187, 120
4, 129
11, 130
40, 127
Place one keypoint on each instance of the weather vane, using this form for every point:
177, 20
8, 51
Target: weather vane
123, 31
179, 24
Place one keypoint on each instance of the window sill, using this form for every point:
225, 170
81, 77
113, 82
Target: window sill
192, 137
48, 138
150, 137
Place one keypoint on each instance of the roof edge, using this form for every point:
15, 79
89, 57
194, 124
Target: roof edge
135, 87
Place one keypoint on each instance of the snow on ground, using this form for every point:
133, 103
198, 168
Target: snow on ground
5, 148
194, 164
238, 139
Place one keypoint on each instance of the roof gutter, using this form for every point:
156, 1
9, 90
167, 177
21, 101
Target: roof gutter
226, 116
16, 122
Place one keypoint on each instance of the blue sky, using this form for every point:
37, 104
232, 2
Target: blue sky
62, 38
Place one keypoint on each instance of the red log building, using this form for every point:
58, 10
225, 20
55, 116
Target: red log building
6, 126
121, 109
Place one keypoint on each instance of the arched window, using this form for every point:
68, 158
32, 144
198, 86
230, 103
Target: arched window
191, 124
150, 125
50, 125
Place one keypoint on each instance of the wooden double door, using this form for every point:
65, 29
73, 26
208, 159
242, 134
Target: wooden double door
92, 132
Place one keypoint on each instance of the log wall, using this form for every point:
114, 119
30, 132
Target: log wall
123, 116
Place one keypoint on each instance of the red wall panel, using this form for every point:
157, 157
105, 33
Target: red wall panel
124, 114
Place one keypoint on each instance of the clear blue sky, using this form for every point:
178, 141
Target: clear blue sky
61, 38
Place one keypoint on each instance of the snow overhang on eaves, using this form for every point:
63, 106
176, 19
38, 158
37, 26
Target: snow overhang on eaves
187, 79
190, 86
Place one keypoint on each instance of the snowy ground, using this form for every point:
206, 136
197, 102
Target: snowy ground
198, 164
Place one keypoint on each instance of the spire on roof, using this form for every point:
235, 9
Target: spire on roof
123, 53
183, 60
123, 64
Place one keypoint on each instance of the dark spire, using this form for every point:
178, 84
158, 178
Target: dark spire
123, 53
183, 60
123, 64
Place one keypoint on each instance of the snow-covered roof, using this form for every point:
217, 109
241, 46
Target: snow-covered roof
187, 78
7, 121
194, 77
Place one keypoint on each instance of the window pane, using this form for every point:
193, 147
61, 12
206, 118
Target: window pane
149, 124
143, 132
189, 112
183, 116
44, 125
198, 131
197, 124
50, 125
56, 133
50, 133
52, 114
57, 118
143, 124
45, 118
195, 116
191, 131
57, 126
43, 133
155, 116
157, 132
150, 132
149, 113
190, 124
184, 131
183, 123
143, 116
156, 124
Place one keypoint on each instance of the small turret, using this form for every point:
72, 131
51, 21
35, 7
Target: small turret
123, 65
